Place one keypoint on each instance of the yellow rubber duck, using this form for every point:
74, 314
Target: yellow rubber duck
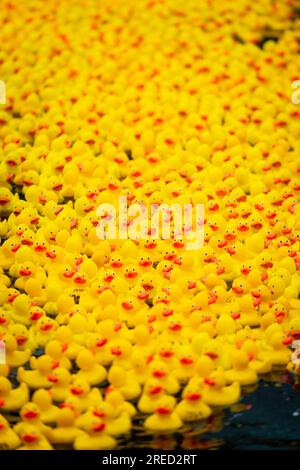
166, 353
7, 200
8, 438
257, 363
20, 333
43, 331
278, 354
12, 399
241, 371
30, 414
115, 425
247, 307
89, 370
88, 397
37, 378
217, 393
55, 350
121, 381
94, 436
20, 307
33, 439
59, 379
192, 407
7, 252
14, 357
68, 344
139, 362
65, 431
48, 412
186, 367
120, 405
153, 391
158, 370
164, 418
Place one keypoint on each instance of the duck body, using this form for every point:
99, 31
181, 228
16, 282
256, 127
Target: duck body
192, 407
217, 393
94, 437
12, 399
241, 371
163, 420
8, 438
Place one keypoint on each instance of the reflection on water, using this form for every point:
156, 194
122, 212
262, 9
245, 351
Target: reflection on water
267, 417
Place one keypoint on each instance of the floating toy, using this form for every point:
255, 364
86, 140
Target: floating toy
8, 438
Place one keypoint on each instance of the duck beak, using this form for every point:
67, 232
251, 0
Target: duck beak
52, 378
29, 438
155, 390
143, 296
209, 382
163, 410
193, 396
99, 427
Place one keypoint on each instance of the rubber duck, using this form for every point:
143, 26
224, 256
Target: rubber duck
59, 379
20, 307
166, 353
186, 367
7, 200
121, 381
94, 436
257, 363
192, 407
121, 351
241, 371
139, 362
33, 439
80, 324
293, 329
164, 418
69, 347
30, 414
116, 425
48, 412
120, 405
89, 370
218, 355
100, 347
55, 350
247, 310
158, 370
43, 331
88, 397
37, 378
14, 357
153, 391
279, 354
120, 425
8, 438
7, 252
142, 340
65, 431
217, 393
226, 325
12, 399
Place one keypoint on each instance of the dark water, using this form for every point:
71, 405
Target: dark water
267, 418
